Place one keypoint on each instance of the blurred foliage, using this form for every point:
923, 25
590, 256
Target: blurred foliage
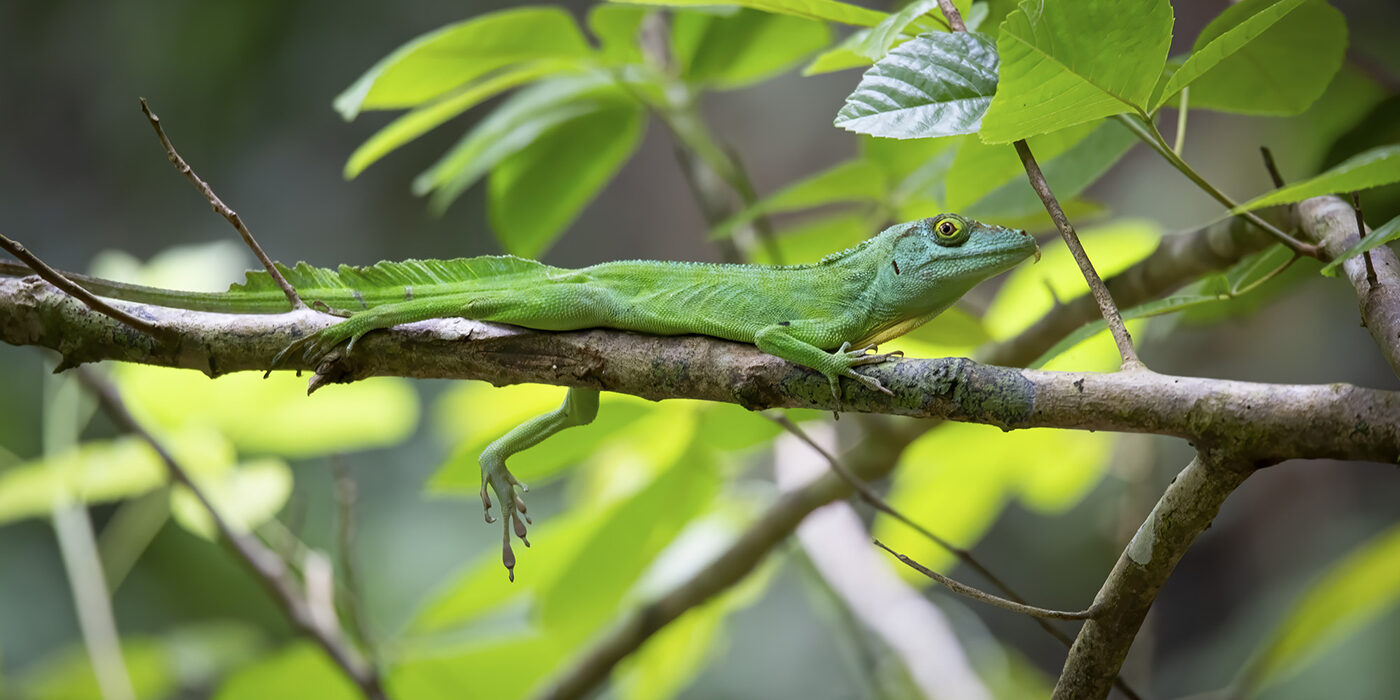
654, 491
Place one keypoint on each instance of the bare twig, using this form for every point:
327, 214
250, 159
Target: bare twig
989, 599
221, 209
867, 494
1271, 166
265, 565
1361, 233
1096, 286
56, 278
346, 496
955, 20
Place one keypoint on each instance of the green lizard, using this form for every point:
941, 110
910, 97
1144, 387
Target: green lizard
812, 315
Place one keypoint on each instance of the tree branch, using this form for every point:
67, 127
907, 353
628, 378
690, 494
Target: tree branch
1184, 511
1265, 422
1332, 223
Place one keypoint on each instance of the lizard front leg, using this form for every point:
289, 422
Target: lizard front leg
579, 408
781, 340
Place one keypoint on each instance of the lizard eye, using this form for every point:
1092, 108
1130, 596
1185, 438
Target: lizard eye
949, 231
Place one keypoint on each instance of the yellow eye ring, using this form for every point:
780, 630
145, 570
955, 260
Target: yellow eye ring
948, 228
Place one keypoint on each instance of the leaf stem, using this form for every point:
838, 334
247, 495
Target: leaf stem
1144, 129
1183, 107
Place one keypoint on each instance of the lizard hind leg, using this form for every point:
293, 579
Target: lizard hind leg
580, 407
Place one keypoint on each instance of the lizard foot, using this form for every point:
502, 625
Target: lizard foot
314, 347
509, 490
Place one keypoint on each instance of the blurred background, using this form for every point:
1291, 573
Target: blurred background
245, 92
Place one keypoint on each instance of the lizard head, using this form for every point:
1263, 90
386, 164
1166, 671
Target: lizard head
949, 249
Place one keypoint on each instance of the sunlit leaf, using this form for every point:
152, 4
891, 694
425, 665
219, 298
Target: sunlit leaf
103, 471
536, 192
496, 667
743, 48
1242, 24
1065, 63
1070, 173
843, 56
829, 10
245, 498
1373, 168
1389, 231
516, 123
1354, 591
883, 36
617, 28
1157, 307
846, 182
434, 63
934, 85
979, 168
955, 326
810, 242
297, 671
428, 117
1268, 74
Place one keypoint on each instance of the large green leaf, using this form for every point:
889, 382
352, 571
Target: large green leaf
299, 670
979, 168
742, 48
536, 192
1388, 232
851, 181
1262, 70
428, 117
1065, 63
1069, 173
883, 36
521, 119
617, 28
441, 60
1373, 168
935, 85
828, 10
843, 55
1355, 591
1215, 46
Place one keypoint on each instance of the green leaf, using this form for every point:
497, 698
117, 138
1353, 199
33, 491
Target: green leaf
955, 326
812, 241
883, 36
1373, 168
979, 168
104, 471
827, 10
856, 180
1388, 232
428, 117
843, 55
1356, 590
536, 192
935, 85
1069, 173
1066, 63
435, 63
1269, 74
617, 28
516, 123
1157, 307
1215, 46
743, 48
299, 670
245, 498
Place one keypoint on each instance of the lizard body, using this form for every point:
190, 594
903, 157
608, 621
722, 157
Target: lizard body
808, 314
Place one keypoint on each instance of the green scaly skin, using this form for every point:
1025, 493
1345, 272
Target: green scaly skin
808, 314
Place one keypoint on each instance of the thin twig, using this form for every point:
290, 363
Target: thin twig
867, 494
975, 594
955, 20
1182, 109
1105, 300
1272, 167
265, 565
221, 209
346, 496
1361, 233
71, 288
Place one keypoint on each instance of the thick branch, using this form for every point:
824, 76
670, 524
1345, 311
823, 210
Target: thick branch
1332, 223
1264, 422
1185, 510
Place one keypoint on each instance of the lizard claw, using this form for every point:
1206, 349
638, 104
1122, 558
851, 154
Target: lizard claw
513, 511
